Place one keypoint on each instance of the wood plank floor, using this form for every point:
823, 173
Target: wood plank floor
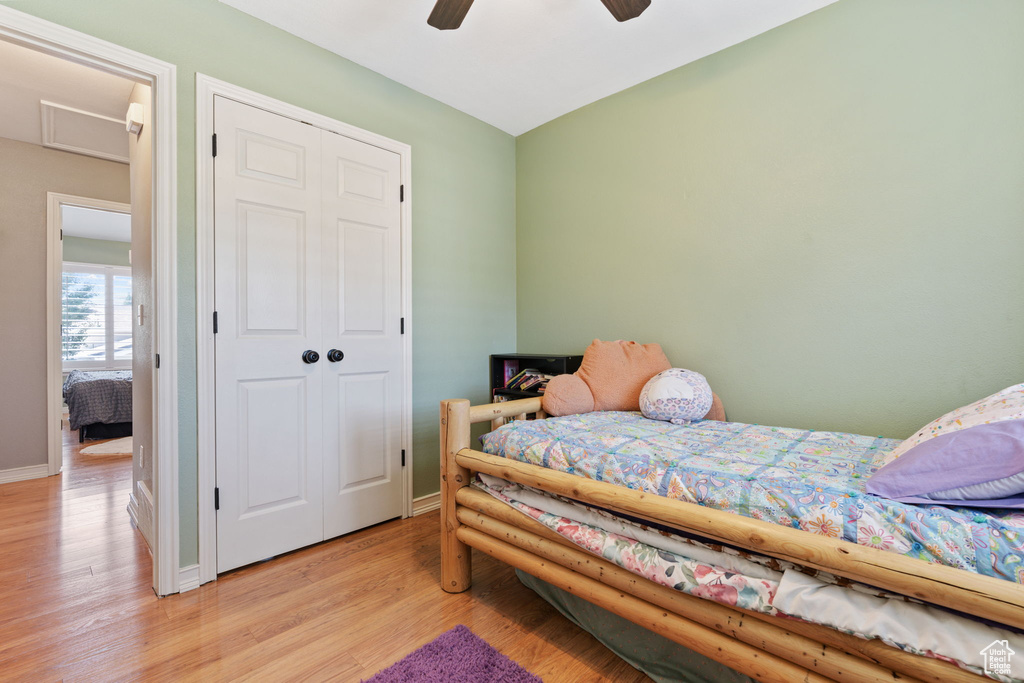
76, 602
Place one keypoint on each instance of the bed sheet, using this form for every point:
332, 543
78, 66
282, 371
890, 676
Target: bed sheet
807, 479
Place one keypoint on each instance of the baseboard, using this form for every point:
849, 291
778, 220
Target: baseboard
133, 509
23, 473
188, 578
427, 503
140, 509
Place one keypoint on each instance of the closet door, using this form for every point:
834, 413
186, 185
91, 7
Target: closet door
268, 226
362, 401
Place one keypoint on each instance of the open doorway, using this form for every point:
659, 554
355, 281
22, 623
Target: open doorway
72, 168
106, 421
80, 152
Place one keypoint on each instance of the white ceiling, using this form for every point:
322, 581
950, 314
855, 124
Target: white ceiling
519, 63
28, 76
97, 224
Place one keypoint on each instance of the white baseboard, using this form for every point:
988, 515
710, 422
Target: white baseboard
188, 578
140, 509
427, 503
23, 473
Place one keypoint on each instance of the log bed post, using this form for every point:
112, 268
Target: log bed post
456, 567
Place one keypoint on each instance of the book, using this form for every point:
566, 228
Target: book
530, 379
511, 368
518, 378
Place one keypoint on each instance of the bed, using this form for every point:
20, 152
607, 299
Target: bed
99, 403
925, 578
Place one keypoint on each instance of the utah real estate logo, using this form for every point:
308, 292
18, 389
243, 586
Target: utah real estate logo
997, 657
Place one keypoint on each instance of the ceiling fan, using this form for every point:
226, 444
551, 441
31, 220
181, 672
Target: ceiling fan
448, 14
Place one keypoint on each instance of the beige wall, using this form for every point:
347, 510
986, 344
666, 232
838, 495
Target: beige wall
27, 173
140, 151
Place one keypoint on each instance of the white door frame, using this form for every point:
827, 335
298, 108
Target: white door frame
54, 267
206, 89
66, 43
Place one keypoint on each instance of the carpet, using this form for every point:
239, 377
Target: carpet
115, 447
456, 656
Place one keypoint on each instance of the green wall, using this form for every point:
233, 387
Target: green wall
86, 250
827, 220
463, 193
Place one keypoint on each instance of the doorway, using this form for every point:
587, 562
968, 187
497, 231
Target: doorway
49, 42
103, 279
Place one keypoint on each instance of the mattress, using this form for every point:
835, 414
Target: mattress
98, 396
807, 479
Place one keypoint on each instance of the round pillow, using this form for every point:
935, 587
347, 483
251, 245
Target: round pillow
676, 395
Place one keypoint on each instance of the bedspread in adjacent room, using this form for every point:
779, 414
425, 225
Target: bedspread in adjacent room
805, 479
103, 396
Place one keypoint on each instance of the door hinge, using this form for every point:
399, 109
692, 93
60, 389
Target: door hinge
62, 233
215, 327
216, 498
401, 193
402, 327
158, 361
214, 144
403, 457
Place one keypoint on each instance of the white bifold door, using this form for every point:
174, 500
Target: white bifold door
309, 366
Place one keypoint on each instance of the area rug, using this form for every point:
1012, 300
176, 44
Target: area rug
115, 447
456, 656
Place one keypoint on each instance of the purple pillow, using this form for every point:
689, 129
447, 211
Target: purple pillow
981, 466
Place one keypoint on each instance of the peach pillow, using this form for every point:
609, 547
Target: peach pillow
617, 371
567, 395
614, 372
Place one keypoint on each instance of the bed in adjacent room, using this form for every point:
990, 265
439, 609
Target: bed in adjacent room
758, 547
99, 403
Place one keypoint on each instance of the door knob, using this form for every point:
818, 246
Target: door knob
334, 355
310, 356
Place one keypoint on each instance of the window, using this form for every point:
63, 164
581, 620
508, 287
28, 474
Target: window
96, 316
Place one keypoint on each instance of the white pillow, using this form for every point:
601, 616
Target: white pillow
676, 395
1007, 404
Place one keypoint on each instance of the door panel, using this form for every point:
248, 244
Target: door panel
271, 159
268, 298
361, 317
272, 270
362, 429
363, 276
272, 431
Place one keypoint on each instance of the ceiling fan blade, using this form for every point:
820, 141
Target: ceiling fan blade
448, 14
624, 10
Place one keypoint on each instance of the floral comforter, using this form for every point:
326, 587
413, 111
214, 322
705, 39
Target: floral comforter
792, 477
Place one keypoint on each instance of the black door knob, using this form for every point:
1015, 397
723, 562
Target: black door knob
334, 355
310, 356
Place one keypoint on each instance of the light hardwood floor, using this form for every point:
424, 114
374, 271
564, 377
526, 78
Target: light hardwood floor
76, 602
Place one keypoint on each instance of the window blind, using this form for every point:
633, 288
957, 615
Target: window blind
96, 316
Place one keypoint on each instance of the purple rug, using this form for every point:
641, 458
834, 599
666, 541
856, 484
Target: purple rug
457, 656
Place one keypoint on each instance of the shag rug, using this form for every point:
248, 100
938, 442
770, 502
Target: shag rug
115, 447
456, 656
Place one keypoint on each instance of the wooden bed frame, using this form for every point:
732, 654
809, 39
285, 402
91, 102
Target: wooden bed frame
763, 647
